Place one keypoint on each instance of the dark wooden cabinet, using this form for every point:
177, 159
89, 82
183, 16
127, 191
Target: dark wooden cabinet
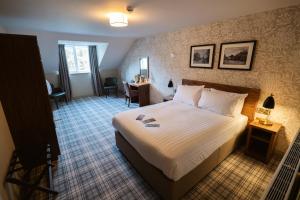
24, 95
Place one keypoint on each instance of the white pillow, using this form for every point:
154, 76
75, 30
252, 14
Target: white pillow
188, 94
240, 103
225, 103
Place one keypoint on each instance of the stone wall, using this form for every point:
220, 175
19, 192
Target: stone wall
276, 66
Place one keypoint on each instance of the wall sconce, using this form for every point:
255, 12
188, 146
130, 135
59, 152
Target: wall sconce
171, 85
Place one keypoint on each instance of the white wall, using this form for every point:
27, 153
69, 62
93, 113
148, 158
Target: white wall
2, 30
6, 150
80, 83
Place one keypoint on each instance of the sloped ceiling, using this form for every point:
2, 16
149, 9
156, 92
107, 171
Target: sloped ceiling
48, 42
149, 16
86, 20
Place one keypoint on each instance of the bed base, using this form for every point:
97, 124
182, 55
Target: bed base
165, 187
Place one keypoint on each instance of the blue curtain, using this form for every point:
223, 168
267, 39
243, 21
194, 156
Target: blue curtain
96, 78
64, 72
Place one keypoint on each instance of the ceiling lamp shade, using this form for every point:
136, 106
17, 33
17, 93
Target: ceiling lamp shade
118, 20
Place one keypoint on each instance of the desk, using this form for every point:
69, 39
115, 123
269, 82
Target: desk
144, 92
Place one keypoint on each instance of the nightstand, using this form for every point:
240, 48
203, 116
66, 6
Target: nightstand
261, 140
168, 98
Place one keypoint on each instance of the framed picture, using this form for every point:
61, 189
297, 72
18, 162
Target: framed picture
237, 55
202, 56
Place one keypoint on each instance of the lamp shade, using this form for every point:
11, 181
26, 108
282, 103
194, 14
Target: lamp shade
170, 84
269, 102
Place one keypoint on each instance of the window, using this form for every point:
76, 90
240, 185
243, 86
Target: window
78, 59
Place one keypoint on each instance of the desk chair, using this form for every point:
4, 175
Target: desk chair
56, 94
129, 93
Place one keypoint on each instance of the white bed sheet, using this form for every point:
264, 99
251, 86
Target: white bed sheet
187, 135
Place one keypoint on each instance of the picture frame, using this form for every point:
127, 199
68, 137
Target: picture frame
202, 56
237, 55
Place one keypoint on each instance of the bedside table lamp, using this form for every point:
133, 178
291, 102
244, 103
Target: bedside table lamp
269, 104
171, 85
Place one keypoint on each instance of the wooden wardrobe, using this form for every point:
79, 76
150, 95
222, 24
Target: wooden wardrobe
23, 94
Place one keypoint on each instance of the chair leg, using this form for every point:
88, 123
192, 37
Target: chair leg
65, 97
106, 93
56, 103
129, 101
125, 100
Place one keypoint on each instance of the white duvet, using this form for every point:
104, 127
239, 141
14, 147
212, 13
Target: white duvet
187, 135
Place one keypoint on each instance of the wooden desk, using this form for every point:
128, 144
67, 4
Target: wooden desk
144, 92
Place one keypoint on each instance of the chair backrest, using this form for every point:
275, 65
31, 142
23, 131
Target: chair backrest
126, 88
49, 87
111, 81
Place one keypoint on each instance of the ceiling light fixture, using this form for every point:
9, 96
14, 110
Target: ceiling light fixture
118, 19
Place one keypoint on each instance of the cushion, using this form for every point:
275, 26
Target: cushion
240, 103
188, 94
225, 103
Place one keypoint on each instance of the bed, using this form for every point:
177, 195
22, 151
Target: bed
175, 156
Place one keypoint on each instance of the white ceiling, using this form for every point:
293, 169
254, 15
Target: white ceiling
149, 17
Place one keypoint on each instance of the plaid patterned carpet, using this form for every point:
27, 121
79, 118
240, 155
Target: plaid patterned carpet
91, 167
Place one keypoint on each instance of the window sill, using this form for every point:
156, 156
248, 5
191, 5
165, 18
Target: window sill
77, 73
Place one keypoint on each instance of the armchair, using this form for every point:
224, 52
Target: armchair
111, 83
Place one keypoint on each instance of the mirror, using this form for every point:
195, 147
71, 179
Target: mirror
144, 67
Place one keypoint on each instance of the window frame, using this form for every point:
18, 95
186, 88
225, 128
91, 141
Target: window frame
73, 46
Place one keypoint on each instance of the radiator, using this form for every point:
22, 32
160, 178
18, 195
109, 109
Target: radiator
284, 178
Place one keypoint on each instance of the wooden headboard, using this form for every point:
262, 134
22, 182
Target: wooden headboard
250, 102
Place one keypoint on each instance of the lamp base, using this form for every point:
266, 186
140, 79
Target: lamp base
265, 122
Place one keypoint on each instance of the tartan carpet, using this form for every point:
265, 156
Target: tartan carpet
91, 167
